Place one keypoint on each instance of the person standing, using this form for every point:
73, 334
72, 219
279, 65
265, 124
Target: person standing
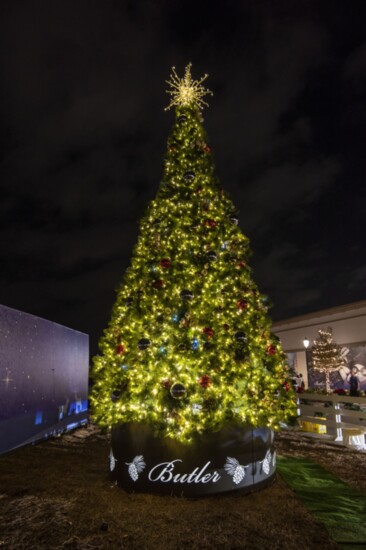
299, 383
354, 383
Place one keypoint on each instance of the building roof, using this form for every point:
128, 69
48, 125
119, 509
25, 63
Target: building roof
345, 311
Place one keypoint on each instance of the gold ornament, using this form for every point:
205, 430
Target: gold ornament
185, 91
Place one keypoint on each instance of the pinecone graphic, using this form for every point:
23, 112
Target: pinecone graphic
235, 470
136, 467
239, 474
112, 461
132, 470
266, 463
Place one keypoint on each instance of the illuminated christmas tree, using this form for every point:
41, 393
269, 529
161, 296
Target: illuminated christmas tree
326, 355
189, 348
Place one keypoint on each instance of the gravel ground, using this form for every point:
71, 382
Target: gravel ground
57, 495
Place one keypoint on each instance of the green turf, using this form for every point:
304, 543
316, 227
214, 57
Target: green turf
341, 508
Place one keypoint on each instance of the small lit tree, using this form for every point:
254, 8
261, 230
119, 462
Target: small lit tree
326, 355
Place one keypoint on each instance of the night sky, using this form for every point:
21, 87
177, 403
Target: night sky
84, 133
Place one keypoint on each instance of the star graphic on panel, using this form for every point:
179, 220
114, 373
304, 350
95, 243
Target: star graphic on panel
7, 379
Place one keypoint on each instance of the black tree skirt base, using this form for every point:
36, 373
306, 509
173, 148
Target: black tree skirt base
236, 458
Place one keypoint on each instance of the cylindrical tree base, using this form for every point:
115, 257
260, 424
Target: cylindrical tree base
236, 458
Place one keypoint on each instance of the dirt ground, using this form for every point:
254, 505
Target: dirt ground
57, 495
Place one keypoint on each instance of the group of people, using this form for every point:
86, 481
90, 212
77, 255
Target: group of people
353, 375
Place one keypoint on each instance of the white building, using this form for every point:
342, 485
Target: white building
349, 330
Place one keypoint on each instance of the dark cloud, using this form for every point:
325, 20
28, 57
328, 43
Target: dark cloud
84, 134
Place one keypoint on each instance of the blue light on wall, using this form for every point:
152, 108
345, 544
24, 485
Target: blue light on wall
77, 407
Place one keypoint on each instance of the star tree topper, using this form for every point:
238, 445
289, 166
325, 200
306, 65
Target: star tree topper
185, 91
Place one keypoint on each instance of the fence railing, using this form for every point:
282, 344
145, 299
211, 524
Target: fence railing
342, 415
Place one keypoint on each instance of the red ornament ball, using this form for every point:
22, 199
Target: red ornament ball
271, 349
166, 383
158, 284
241, 265
286, 386
120, 349
207, 148
242, 304
205, 381
165, 263
211, 223
208, 331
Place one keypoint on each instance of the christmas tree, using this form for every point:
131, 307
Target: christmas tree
189, 348
326, 355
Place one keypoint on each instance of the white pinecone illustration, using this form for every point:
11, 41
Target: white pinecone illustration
266, 463
112, 461
234, 469
136, 467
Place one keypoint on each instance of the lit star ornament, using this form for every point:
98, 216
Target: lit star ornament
185, 91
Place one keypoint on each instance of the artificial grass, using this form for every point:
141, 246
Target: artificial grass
341, 508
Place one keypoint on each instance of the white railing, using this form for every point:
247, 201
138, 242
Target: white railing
343, 416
